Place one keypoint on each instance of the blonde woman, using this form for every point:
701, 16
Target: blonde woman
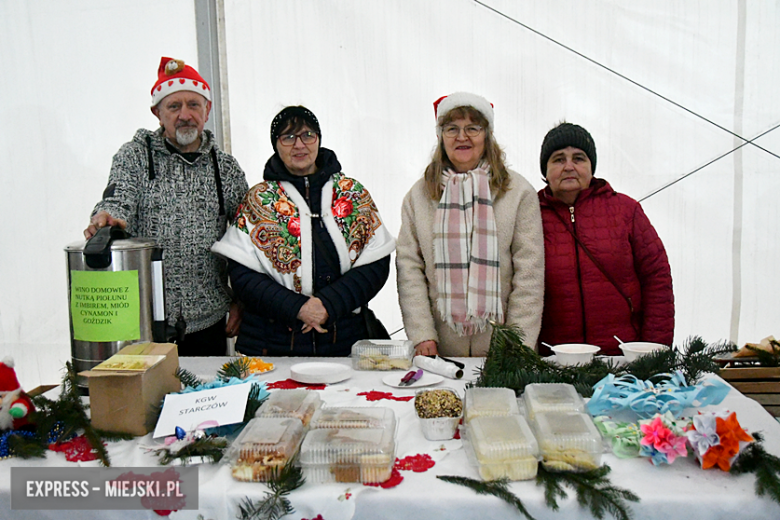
470, 249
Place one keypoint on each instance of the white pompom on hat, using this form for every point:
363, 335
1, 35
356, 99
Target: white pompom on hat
174, 76
444, 104
8, 381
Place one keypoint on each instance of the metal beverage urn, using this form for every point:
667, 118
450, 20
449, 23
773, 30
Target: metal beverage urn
115, 295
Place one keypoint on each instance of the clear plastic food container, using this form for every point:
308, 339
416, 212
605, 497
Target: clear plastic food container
300, 404
354, 417
264, 446
372, 354
502, 447
348, 455
440, 411
568, 441
551, 397
491, 402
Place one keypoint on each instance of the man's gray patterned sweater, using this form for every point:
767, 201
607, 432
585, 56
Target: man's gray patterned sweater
179, 207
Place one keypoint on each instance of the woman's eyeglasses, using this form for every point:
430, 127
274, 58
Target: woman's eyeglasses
307, 137
454, 130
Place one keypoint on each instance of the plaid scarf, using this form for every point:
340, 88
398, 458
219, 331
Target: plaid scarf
465, 244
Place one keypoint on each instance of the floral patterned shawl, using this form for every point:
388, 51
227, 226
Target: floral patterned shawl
272, 231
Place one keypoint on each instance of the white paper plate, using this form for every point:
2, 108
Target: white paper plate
320, 373
427, 379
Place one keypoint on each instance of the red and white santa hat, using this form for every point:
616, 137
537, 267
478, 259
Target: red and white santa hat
8, 381
462, 99
173, 76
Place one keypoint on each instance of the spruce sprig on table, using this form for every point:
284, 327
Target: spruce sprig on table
253, 402
275, 505
512, 364
70, 412
187, 378
594, 491
210, 448
497, 488
237, 367
766, 467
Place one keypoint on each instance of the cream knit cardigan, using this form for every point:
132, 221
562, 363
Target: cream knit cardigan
521, 256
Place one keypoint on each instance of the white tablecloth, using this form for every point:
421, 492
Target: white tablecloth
680, 491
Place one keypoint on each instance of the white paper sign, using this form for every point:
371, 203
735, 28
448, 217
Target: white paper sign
224, 405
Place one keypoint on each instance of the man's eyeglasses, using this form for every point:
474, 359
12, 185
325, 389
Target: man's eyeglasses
454, 130
307, 137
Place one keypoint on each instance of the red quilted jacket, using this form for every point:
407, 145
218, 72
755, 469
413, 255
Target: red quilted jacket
580, 304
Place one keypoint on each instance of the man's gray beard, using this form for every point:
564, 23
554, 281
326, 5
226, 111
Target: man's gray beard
186, 135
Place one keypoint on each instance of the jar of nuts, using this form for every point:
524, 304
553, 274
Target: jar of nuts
440, 411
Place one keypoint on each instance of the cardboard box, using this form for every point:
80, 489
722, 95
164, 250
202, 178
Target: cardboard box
128, 401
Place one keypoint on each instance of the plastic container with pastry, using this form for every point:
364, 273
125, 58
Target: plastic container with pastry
373, 354
263, 447
354, 417
363, 455
502, 447
489, 402
297, 403
551, 397
568, 441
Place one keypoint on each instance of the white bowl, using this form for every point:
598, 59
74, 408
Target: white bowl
574, 353
635, 349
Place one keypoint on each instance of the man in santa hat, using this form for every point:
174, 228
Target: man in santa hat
174, 184
15, 405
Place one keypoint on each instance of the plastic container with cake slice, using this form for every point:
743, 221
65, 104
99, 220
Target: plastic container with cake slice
353, 417
297, 403
489, 402
568, 441
551, 397
376, 354
263, 447
501, 447
363, 455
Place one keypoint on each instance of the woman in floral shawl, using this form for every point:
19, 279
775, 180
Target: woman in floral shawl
307, 250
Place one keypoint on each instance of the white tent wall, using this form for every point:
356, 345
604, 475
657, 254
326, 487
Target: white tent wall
76, 84
77, 76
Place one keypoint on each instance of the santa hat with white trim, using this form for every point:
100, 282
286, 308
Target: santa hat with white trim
444, 104
174, 76
8, 381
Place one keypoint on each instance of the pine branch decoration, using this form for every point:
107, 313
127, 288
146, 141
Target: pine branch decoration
594, 491
512, 364
187, 378
275, 505
210, 448
497, 488
237, 367
70, 412
766, 467
253, 402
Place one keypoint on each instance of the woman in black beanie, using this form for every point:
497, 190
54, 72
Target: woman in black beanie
606, 269
307, 251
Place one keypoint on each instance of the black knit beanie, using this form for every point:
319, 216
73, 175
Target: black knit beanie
288, 114
563, 135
